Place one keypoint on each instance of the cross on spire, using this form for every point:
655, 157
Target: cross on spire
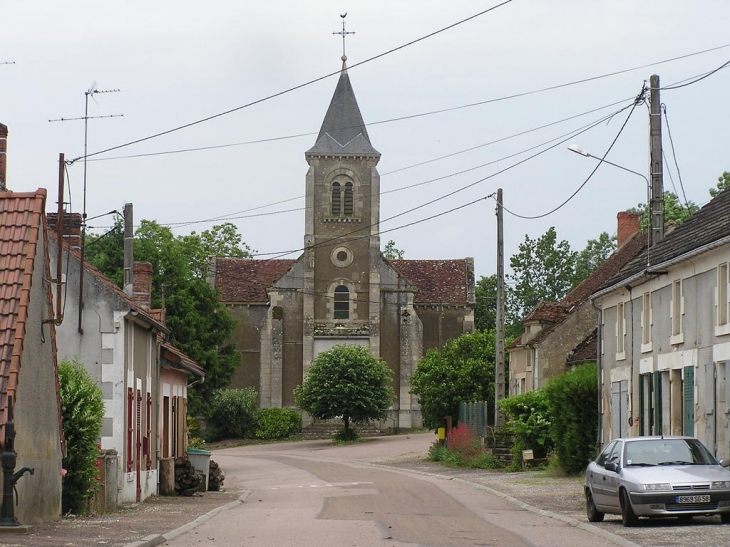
344, 34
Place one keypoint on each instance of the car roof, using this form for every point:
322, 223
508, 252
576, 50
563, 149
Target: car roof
654, 438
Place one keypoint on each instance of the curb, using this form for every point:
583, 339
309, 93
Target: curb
158, 539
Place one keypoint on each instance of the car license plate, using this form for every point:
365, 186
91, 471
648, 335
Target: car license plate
705, 498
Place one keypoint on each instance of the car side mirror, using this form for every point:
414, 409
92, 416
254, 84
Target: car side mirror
725, 462
612, 466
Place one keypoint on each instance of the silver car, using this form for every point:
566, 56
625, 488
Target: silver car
657, 477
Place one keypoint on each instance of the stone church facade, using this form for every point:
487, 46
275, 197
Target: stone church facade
342, 290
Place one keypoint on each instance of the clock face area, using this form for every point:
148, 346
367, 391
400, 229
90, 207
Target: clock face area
341, 257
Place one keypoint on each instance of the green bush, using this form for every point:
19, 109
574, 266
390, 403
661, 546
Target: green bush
528, 417
277, 423
463, 449
573, 402
82, 406
345, 435
233, 413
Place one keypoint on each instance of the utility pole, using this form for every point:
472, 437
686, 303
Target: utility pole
655, 163
128, 250
499, 371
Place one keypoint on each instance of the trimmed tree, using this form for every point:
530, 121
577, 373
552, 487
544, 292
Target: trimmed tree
346, 382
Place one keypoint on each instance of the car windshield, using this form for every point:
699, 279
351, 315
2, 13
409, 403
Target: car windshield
659, 451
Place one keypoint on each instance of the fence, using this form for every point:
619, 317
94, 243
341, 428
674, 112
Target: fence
475, 415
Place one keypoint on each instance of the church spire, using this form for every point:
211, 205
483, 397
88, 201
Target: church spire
343, 129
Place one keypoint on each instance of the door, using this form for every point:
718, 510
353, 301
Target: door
688, 401
619, 409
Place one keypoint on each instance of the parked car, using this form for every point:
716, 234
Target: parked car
657, 477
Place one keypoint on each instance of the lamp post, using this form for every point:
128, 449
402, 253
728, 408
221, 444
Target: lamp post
579, 150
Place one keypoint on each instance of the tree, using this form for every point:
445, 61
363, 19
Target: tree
82, 408
391, 252
199, 325
723, 183
595, 253
485, 312
674, 210
346, 381
543, 269
461, 372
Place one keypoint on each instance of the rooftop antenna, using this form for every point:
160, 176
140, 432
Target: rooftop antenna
344, 34
7, 62
88, 93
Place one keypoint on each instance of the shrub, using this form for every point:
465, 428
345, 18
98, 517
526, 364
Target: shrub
528, 417
82, 406
463, 449
346, 435
276, 423
233, 412
573, 402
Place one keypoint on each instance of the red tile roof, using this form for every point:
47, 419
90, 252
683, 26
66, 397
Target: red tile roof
21, 227
438, 281
246, 279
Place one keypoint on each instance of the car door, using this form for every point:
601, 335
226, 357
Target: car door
611, 477
596, 475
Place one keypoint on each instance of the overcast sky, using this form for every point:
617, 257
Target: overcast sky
177, 62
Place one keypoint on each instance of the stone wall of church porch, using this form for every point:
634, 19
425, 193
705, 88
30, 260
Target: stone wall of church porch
246, 338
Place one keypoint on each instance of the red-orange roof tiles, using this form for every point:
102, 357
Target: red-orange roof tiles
438, 281
246, 279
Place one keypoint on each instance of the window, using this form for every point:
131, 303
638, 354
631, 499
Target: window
722, 294
646, 322
342, 302
336, 199
349, 200
620, 328
677, 311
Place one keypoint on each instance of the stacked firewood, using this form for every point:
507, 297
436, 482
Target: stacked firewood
187, 479
215, 477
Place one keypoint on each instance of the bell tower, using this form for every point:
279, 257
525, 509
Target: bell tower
342, 245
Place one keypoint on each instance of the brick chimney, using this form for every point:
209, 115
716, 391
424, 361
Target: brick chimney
3, 157
71, 228
142, 284
628, 225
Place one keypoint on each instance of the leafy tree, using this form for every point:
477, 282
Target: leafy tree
391, 252
233, 412
82, 407
485, 313
542, 269
674, 210
346, 381
594, 254
462, 372
723, 183
199, 324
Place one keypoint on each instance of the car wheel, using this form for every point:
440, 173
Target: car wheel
725, 518
594, 515
628, 517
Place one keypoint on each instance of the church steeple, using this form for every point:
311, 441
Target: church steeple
343, 129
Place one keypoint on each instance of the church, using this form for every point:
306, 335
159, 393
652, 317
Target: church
342, 290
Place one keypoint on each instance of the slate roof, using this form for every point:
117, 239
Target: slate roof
246, 279
21, 227
343, 130
438, 281
707, 227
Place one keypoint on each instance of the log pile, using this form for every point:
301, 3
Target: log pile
216, 477
187, 479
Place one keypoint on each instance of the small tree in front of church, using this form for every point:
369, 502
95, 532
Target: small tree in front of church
346, 382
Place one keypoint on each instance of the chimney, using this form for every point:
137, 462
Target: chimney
71, 228
628, 225
3, 157
142, 284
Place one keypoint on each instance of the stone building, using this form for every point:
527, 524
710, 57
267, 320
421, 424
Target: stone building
342, 290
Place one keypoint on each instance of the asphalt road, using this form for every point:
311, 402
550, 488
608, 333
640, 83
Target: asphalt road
318, 494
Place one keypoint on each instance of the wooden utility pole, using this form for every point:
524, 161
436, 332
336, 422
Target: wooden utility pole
499, 391
655, 163
128, 250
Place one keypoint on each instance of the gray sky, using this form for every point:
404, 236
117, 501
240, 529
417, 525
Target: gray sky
182, 61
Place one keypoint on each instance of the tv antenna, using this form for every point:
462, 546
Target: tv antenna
7, 62
88, 93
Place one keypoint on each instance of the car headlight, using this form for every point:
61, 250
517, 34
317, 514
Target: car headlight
657, 487
720, 485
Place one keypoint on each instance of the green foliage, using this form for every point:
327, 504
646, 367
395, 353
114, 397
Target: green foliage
528, 417
391, 252
233, 413
573, 402
543, 269
595, 253
200, 326
485, 312
277, 423
82, 406
346, 435
346, 381
462, 372
723, 183
463, 449
674, 210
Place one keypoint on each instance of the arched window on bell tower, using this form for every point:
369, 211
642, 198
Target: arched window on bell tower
342, 302
336, 199
349, 202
